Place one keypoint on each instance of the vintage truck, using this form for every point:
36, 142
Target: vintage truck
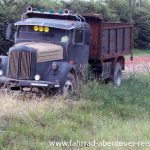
53, 47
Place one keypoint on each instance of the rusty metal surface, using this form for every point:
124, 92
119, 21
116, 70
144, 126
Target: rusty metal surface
115, 24
116, 39
95, 22
109, 39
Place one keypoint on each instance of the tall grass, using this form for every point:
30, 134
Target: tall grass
97, 112
128, 100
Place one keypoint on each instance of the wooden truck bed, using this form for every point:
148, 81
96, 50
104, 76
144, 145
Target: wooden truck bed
109, 39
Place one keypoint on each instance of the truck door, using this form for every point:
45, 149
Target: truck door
80, 47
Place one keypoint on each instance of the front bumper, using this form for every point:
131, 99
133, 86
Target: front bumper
28, 83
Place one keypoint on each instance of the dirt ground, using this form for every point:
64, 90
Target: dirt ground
139, 64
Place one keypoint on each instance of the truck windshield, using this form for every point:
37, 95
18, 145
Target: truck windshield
55, 35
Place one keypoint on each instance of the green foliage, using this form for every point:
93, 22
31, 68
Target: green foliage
138, 16
11, 12
107, 113
112, 10
8, 14
141, 52
141, 28
129, 100
121, 9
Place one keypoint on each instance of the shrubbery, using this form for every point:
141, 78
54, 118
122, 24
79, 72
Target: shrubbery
129, 100
113, 10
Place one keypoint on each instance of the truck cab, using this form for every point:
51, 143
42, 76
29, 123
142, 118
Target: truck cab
48, 48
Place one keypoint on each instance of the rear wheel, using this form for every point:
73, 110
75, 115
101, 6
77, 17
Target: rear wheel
117, 78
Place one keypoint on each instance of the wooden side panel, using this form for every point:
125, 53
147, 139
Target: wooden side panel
119, 40
112, 41
116, 40
105, 41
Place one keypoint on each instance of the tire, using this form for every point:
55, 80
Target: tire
69, 85
117, 78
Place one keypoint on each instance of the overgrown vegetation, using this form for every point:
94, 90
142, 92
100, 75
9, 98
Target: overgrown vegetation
136, 12
98, 112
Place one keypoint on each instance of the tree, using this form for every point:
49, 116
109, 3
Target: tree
134, 11
129, 11
141, 29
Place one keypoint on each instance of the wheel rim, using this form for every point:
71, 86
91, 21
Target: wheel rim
119, 79
69, 85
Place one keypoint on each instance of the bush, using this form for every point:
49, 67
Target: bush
8, 15
141, 29
11, 12
113, 10
138, 16
128, 100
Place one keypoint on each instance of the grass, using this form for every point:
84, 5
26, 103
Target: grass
98, 112
140, 52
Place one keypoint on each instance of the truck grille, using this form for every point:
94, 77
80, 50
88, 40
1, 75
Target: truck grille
25, 65
19, 65
13, 64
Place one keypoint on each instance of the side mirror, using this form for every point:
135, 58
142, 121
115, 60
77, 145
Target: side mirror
9, 31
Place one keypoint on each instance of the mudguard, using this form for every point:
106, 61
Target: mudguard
59, 75
4, 64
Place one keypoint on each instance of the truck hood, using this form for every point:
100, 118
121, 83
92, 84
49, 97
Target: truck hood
45, 51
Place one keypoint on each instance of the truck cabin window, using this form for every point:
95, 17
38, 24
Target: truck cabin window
48, 34
78, 36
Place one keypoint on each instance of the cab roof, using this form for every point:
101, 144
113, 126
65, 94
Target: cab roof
62, 24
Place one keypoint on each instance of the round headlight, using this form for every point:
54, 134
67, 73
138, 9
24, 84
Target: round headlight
37, 77
46, 29
41, 29
1, 72
36, 28
54, 66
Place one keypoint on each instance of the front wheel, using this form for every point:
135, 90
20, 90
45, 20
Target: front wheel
117, 78
70, 84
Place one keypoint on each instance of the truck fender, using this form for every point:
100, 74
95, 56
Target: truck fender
4, 64
62, 73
